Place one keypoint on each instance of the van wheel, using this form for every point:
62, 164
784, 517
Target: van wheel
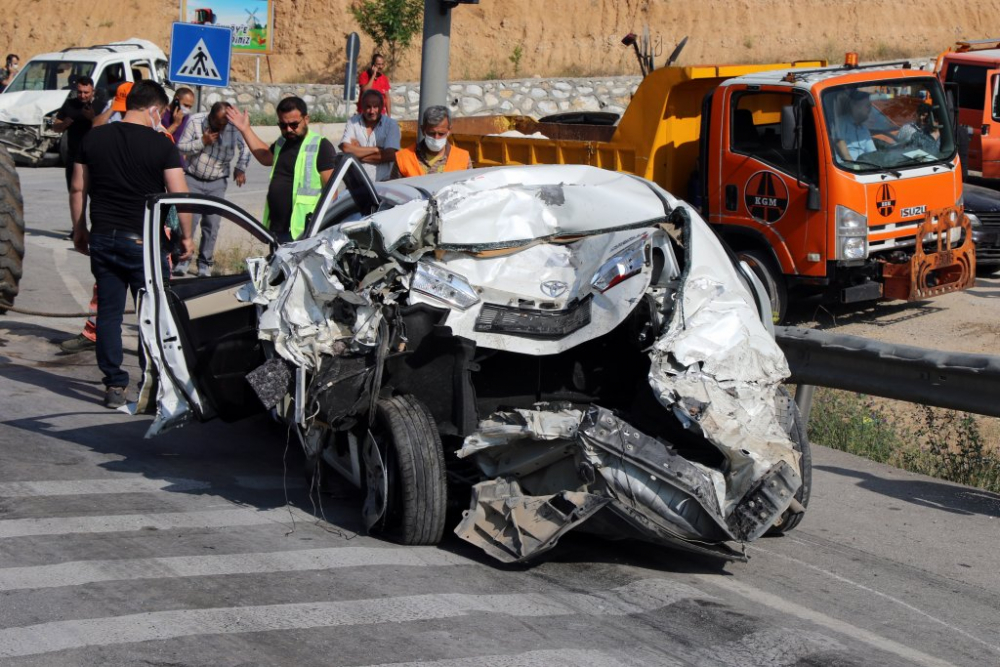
406, 497
791, 421
11, 230
769, 275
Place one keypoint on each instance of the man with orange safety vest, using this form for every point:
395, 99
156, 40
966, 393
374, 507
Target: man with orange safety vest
433, 154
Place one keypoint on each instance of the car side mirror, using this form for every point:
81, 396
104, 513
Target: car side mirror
789, 129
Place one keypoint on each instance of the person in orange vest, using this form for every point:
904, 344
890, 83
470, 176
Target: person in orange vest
433, 154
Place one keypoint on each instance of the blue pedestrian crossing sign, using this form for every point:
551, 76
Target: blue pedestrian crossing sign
200, 55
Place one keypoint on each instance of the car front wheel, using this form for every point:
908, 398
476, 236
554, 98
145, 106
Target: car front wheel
404, 476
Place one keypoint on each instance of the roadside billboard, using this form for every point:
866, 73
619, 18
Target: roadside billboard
251, 21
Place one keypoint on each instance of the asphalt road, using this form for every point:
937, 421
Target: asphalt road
202, 547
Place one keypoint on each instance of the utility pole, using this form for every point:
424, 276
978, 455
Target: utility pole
435, 55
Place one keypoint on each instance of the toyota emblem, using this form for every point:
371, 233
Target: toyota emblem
554, 288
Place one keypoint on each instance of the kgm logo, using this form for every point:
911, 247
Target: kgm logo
885, 200
766, 197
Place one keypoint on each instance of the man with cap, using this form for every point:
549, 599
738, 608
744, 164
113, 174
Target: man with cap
853, 137
433, 154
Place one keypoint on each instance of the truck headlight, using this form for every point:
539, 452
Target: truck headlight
852, 234
444, 285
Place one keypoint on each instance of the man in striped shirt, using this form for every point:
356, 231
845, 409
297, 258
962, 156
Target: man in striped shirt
209, 144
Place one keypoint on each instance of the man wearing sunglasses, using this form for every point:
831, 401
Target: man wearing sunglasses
301, 163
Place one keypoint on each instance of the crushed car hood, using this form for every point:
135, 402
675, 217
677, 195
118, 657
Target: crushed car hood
29, 107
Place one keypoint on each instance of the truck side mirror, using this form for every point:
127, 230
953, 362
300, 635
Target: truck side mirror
812, 198
789, 129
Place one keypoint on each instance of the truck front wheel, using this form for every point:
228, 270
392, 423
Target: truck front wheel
768, 274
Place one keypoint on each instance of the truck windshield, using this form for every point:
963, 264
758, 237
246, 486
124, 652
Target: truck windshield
50, 75
890, 124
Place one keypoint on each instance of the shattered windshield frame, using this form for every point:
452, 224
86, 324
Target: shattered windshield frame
889, 124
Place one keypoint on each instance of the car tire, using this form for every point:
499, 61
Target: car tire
791, 421
11, 230
410, 491
774, 282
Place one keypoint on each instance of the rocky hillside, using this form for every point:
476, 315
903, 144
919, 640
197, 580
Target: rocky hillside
556, 37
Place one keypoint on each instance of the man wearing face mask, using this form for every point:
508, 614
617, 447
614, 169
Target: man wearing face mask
433, 154
301, 163
119, 165
209, 144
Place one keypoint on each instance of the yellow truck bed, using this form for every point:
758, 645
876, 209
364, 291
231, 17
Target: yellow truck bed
656, 138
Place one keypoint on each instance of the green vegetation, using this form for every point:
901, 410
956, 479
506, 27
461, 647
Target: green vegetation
391, 24
941, 443
515, 58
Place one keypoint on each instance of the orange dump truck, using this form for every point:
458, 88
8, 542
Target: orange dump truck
830, 180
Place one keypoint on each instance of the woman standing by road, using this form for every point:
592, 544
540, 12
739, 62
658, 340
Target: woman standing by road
374, 78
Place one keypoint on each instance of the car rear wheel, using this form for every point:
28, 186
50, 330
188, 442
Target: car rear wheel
793, 424
11, 230
768, 274
406, 497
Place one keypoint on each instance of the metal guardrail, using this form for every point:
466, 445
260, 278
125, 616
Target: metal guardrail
968, 382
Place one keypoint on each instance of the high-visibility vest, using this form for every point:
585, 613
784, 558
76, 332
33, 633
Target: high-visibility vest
307, 185
409, 164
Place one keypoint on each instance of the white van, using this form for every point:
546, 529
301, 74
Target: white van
30, 102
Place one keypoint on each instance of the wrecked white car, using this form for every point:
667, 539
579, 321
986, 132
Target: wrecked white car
550, 348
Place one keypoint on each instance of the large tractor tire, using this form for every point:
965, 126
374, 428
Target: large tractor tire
11, 230
404, 473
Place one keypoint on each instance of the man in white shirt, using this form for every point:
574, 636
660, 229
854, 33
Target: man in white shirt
371, 137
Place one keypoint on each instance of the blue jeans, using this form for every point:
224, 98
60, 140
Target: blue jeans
116, 262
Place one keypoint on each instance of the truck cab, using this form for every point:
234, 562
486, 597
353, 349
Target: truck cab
972, 68
30, 102
824, 179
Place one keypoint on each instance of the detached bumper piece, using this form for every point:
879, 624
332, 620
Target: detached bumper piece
948, 267
646, 490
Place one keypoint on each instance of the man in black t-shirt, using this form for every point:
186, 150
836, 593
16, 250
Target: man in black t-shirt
302, 164
118, 166
76, 117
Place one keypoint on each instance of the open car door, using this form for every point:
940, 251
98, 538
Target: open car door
200, 341
348, 195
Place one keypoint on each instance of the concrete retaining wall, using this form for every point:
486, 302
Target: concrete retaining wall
531, 97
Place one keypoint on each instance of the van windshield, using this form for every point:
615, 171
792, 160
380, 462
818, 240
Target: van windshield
50, 75
890, 124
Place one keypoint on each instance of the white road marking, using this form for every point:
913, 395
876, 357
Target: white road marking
637, 597
130, 522
77, 573
552, 658
788, 607
60, 260
134, 484
880, 594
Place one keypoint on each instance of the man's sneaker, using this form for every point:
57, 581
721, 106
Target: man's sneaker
181, 269
114, 397
78, 343
204, 271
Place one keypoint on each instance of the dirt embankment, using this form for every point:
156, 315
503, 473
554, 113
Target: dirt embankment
556, 37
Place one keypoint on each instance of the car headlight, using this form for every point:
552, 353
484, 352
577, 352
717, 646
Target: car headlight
974, 220
444, 285
852, 234
624, 264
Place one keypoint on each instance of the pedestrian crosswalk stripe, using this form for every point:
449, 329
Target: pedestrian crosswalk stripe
134, 484
550, 658
129, 522
637, 597
78, 573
